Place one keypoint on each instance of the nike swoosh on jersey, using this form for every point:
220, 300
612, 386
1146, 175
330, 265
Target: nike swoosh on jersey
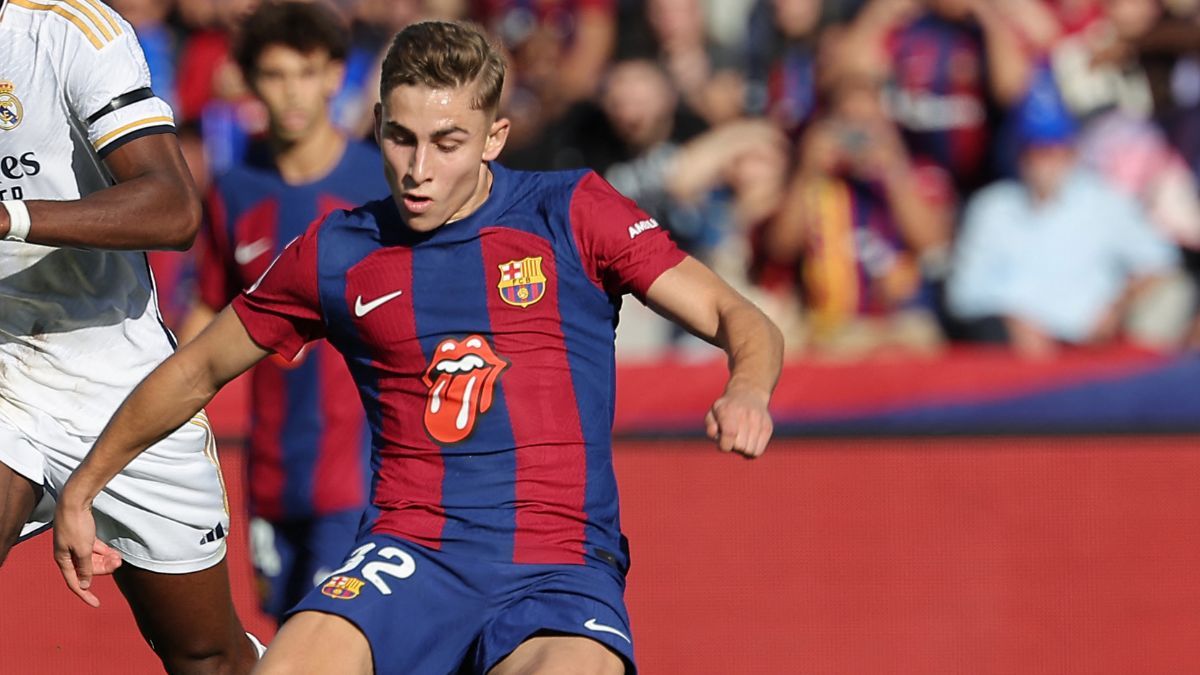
593, 625
361, 308
245, 253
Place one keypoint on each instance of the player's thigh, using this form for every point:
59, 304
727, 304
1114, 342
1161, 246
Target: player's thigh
18, 497
22, 474
560, 655
303, 645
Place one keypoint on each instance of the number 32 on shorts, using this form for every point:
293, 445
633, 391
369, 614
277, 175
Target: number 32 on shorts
339, 585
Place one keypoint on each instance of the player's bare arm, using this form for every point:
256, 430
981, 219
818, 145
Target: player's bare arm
697, 299
169, 396
154, 204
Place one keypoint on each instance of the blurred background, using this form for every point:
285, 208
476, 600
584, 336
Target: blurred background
977, 223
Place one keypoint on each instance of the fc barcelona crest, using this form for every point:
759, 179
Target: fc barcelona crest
522, 282
343, 588
10, 107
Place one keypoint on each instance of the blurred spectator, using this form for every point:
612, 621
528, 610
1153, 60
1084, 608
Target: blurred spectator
1097, 68
708, 76
205, 68
1135, 157
1167, 51
708, 189
559, 48
954, 66
212, 91
782, 62
858, 221
307, 454
1060, 257
194, 15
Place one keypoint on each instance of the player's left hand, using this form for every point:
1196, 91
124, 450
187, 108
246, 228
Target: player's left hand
739, 422
78, 553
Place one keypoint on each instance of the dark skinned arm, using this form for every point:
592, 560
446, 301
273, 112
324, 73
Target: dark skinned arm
154, 204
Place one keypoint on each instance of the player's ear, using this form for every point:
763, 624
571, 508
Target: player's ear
496, 138
379, 124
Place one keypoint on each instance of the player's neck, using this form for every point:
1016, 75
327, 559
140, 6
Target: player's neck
310, 158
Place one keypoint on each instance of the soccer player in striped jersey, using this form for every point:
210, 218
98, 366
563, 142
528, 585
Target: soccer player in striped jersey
308, 451
476, 308
90, 173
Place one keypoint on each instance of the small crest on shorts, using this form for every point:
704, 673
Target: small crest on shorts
342, 588
11, 111
522, 282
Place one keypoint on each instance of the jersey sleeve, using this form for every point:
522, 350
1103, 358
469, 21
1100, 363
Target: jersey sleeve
282, 310
214, 272
107, 80
621, 248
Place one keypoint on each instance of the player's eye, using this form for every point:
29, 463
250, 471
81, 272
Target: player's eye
447, 148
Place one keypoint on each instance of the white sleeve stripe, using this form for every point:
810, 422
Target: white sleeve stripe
131, 127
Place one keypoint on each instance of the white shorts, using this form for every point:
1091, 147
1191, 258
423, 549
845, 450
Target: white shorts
165, 512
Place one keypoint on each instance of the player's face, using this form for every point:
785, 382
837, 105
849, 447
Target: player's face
435, 146
296, 87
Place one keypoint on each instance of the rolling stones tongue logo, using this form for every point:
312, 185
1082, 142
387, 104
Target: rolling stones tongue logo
461, 380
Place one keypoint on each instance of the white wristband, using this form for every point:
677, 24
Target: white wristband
18, 219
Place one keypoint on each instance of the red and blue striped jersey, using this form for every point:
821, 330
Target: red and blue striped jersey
940, 97
483, 354
309, 444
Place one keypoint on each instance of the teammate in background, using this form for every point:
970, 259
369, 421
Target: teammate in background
476, 307
91, 174
309, 447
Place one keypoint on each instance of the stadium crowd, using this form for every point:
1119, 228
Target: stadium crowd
876, 174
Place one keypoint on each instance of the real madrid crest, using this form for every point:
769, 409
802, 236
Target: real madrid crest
11, 111
522, 282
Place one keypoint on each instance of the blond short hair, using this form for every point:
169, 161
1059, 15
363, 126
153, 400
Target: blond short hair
445, 54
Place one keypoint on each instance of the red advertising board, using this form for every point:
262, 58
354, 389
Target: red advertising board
995, 555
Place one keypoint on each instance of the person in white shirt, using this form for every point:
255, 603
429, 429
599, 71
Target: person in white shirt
90, 175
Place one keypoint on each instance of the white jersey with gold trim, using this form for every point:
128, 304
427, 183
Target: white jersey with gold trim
78, 328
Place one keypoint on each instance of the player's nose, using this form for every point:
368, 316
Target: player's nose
418, 166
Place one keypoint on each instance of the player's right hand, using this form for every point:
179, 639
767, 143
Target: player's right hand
739, 422
77, 551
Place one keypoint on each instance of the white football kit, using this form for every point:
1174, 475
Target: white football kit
80, 328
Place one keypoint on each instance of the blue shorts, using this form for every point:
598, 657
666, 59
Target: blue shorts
291, 557
426, 612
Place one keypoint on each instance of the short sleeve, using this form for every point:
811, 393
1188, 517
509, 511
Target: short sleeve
214, 276
282, 310
108, 82
621, 248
